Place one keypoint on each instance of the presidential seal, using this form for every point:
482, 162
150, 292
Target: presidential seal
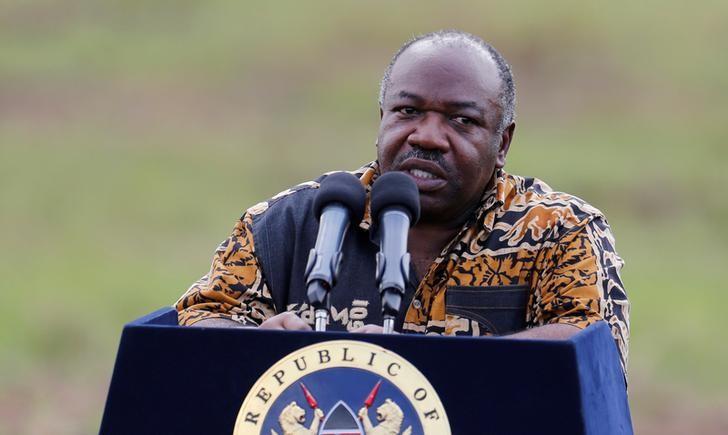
342, 387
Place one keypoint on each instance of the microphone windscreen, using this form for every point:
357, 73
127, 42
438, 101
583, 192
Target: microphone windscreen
395, 189
343, 188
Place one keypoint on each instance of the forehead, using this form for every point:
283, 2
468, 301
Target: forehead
447, 71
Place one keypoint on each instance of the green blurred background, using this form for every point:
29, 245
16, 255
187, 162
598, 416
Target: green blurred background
134, 133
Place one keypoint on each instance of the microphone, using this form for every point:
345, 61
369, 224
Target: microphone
395, 207
338, 203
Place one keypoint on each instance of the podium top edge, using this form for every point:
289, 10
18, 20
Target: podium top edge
166, 318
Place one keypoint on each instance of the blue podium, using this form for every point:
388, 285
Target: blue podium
178, 380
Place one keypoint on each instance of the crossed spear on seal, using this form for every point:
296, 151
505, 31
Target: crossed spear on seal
372, 395
309, 397
313, 403
316, 411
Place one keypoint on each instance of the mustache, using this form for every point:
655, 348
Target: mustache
431, 155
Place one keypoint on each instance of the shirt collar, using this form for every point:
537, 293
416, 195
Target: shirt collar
367, 174
492, 200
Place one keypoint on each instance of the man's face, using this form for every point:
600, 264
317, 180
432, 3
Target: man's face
439, 124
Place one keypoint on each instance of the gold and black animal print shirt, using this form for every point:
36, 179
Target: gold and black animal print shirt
529, 256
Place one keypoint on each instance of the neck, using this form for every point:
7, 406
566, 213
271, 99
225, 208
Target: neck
429, 235
428, 238
425, 242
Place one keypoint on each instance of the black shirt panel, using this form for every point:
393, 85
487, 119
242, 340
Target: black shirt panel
286, 232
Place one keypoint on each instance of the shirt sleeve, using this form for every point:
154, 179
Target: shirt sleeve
579, 284
234, 288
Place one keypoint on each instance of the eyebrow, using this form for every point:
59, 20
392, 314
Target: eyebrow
449, 104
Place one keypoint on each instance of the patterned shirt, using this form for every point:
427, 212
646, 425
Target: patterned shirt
528, 256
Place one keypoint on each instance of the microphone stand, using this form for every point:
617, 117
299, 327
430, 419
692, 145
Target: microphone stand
319, 297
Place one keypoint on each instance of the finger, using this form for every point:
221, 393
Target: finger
276, 322
272, 323
294, 323
369, 329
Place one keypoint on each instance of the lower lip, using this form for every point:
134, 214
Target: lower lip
427, 184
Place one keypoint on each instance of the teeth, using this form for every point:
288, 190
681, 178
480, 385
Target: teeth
422, 174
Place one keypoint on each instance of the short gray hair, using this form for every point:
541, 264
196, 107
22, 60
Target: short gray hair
508, 88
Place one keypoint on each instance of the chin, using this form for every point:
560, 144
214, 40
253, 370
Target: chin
433, 212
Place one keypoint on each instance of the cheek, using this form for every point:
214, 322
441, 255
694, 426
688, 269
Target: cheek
390, 142
487, 153
393, 133
476, 165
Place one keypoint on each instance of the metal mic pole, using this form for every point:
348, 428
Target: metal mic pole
321, 313
388, 326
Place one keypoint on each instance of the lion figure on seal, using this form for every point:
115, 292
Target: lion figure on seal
390, 418
293, 417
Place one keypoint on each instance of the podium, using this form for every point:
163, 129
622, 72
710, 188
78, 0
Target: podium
180, 380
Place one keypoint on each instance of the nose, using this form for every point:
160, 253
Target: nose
430, 134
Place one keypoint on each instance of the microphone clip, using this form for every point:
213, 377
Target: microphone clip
391, 289
320, 279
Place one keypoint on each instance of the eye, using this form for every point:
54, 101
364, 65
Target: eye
464, 120
408, 110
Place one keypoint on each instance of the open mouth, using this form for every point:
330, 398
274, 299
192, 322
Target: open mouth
419, 173
428, 175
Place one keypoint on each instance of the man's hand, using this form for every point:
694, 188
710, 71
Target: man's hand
286, 321
369, 329
557, 331
218, 323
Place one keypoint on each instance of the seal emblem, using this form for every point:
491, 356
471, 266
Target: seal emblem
342, 387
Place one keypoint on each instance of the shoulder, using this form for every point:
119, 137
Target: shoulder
297, 197
296, 201
283, 229
531, 207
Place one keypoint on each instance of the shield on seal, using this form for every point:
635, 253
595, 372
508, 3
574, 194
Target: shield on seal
341, 421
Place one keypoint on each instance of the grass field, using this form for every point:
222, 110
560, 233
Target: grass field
133, 134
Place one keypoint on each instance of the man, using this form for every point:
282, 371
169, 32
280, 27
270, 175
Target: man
493, 253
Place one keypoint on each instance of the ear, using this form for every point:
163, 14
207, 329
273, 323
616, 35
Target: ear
381, 114
505, 145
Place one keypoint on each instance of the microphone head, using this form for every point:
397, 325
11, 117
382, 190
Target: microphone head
396, 189
345, 189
